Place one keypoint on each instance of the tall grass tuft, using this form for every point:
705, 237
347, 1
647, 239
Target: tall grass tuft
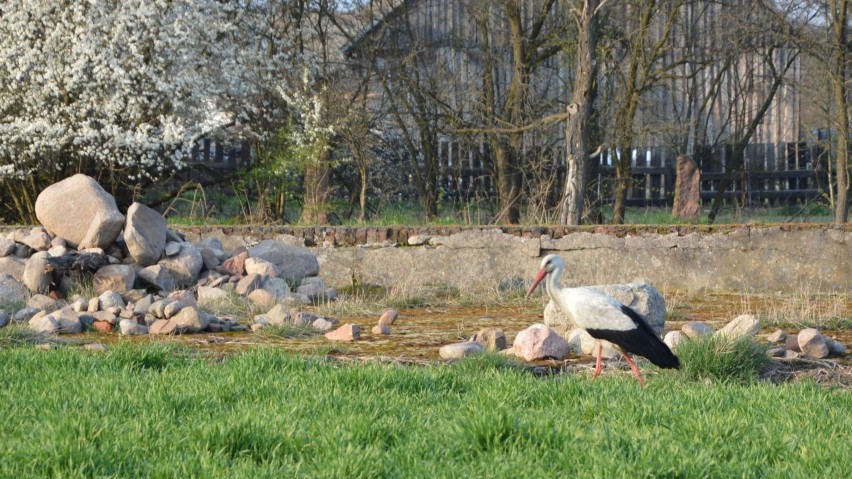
722, 360
19, 335
287, 331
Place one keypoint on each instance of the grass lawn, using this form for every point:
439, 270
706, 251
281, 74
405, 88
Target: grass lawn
154, 411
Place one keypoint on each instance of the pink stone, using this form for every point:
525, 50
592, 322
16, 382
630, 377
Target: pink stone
347, 332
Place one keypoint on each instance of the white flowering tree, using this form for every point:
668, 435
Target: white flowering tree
122, 90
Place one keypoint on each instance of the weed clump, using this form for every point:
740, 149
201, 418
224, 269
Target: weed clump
721, 359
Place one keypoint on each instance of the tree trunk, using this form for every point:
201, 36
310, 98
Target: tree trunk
315, 208
623, 180
580, 109
839, 9
362, 200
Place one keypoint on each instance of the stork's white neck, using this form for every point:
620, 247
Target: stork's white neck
552, 286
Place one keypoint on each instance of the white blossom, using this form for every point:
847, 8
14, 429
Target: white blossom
128, 84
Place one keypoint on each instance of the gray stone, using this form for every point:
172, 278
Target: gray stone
37, 240
171, 248
743, 325
35, 277
143, 304
303, 318
80, 305
12, 291
7, 247
279, 315
172, 307
277, 286
211, 242
145, 234
129, 327
776, 352
540, 342
79, 210
461, 350
211, 258
835, 347
4, 319
110, 299
66, 321
44, 303
812, 343
185, 265
295, 263
207, 294
190, 320
261, 266
248, 284
115, 277
261, 297
492, 339
43, 323
163, 327
158, 276
322, 324
778, 336
673, 338
696, 330
56, 251
25, 314
13, 266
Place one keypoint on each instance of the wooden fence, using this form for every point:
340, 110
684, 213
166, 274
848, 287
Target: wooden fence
775, 174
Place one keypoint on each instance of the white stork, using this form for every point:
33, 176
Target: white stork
604, 318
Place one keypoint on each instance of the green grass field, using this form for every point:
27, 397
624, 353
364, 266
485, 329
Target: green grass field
152, 411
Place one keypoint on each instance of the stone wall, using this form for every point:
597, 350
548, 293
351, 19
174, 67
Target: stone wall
786, 258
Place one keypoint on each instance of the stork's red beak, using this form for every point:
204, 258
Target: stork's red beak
540, 276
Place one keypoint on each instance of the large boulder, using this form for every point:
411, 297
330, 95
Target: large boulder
145, 234
185, 265
79, 210
642, 298
294, 262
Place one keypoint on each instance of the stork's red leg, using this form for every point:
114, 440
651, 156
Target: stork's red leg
635, 369
598, 363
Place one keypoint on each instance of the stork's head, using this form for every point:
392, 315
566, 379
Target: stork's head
549, 264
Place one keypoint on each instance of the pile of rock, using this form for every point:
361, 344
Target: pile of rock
809, 343
145, 273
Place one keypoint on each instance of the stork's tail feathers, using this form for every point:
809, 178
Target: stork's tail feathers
652, 347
